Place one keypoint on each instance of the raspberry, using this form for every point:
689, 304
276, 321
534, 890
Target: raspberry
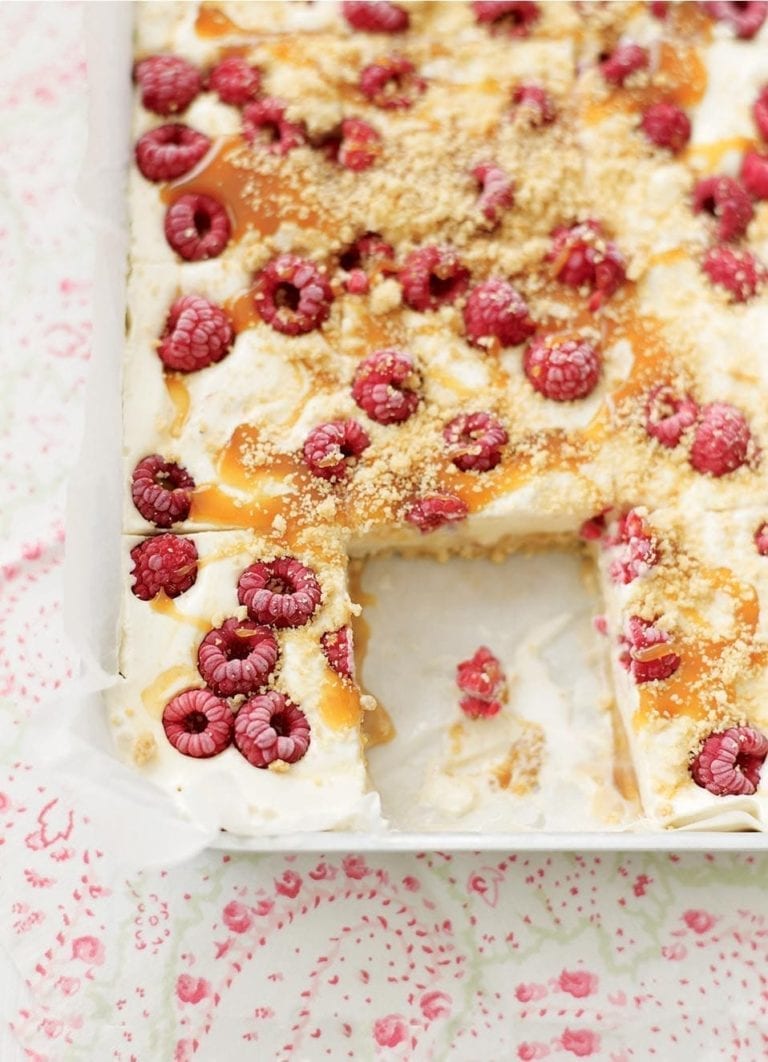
392, 83
237, 657
739, 272
666, 126
328, 446
265, 126
198, 723
235, 81
482, 678
269, 727
339, 650
668, 416
760, 112
197, 333
475, 441
368, 255
593, 529
497, 190
280, 593
169, 151
745, 17
434, 510
433, 277
722, 439
641, 654
729, 761
360, 145
514, 17
292, 295
726, 200
164, 562
496, 310
659, 8
625, 59
378, 16
761, 540
197, 227
535, 104
161, 490
581, 256
754, 174
383, 386
562, 368
636, 549
167, 83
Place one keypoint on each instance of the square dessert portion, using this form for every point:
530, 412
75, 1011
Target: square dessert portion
441, 278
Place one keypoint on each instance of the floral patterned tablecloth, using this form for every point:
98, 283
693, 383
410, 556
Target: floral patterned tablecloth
469, 957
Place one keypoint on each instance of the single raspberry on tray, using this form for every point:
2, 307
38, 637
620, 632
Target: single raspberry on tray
328, 447
433, 277
270, 727
339, 650
360, 145
375, 16
625, 59
643, 652
237, 657
279, 593
497, 190
292, 295
197, 227
727, 201
165, 563
167, 83
668, 415
475, 441
198, 723
197, 333
722, 440
562, 368
739, 272
235, 81
496, 310
512, 17
635, 547
482, 681
392, 83
729, 761
265, 126
161, 490
754, 174
581, 256
170, 151
434, 510
385, 386
667, 126
534, 104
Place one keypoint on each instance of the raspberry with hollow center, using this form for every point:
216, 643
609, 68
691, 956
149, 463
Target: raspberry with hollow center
635, 547
435, 510
729, 761
726, 200
270, 727
292, 295
745, 17
280, 593
161, 490
754, 174
739, 272
375, 16
625, 59
170, 151
496, 310
534, 104
433, 277
562, 368
339, 650
669, 415
265, 126
164, 562
392, 83
197, 227
360, 145
643, 654
384, 385
514, 17
167, 83
761, 540
197, 333
722, 440
582, 257
328, 447
475, 441
198, 723
497, 190
667, 126
235, 81
760, 112
237, 657
368, 256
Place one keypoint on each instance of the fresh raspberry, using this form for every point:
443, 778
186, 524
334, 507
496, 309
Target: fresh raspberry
235, 81
496, 310
328, 447
625, 59
170, 151
659, 8
434, 510
384, 385
722, 440
745, 17
726, 200
292, 295
668, 415
497, 190
534, 104
760, 112
197, 333
197, 227
484, 684
761, 540
729, 761
237, 657
582, 257
167, 83
562, 368
666, 126
164, 562
739, 272
432, 277
635, 547
642, 654
392, 83
198, 723
514, 17
161, 490
475, 441
360, 145
280, 593
593, 529
754, 174
339, 650
367, 256
379, 16
269, 727
265, 126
